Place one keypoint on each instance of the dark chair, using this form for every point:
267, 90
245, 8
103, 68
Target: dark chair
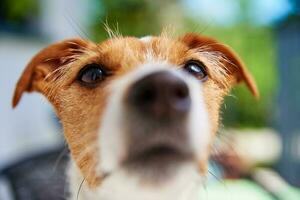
39, 177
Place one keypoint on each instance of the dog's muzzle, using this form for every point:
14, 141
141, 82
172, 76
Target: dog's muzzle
157, 109
155, 121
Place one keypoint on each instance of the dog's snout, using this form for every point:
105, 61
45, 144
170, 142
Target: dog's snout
160, 94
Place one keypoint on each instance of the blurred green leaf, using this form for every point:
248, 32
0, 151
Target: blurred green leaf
18, 10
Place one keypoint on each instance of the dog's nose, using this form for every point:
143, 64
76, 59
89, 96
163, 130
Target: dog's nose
160, 94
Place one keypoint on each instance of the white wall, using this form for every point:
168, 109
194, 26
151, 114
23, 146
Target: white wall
29, 126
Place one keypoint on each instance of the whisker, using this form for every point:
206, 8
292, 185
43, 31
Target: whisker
59, 158
79, 189
112, 32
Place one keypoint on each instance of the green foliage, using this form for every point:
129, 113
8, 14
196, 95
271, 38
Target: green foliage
131, 17
18, 10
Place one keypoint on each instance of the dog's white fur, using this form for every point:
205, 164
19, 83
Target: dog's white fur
121, 185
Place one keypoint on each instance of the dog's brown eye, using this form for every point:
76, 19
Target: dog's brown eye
196, 69
91, 74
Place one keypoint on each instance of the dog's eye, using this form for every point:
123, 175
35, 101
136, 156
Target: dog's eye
196, 69
91, 74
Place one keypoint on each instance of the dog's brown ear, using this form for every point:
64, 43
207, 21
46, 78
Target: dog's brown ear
46, 61
235, 64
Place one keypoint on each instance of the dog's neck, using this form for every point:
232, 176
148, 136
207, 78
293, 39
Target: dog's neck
120, 186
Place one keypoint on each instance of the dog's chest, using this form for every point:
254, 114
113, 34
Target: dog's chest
122, 186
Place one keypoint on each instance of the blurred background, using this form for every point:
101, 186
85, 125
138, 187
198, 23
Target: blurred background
266, 34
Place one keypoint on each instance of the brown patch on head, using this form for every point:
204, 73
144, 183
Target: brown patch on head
121, 54
167, 49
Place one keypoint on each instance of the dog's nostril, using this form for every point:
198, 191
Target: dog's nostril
160, 94
181, 91
145, 95
182, 98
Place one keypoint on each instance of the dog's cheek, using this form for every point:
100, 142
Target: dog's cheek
213, 97
80, 111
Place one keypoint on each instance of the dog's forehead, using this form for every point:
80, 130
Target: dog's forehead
145, 43
129, 50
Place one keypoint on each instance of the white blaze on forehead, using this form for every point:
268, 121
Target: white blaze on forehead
146, 39
149, 55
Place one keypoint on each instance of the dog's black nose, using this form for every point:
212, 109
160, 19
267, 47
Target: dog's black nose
160, 94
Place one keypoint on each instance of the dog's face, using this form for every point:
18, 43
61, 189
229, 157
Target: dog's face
146, 106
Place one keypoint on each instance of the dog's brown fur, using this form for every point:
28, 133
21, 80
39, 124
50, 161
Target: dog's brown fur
53, 71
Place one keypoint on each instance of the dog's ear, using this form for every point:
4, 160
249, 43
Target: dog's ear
45, 62
234, 63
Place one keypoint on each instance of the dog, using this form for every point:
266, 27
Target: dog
139, 114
